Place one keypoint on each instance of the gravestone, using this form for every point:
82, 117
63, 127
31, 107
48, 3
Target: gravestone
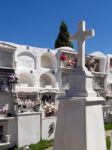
80, 123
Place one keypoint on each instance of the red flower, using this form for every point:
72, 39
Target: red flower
63, 57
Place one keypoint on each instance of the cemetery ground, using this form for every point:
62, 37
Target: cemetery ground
108, 130
42, 145
46, 145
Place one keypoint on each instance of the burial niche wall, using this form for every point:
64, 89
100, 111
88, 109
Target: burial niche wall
6, 59
47, 81
48, 60
26, 80
26, 60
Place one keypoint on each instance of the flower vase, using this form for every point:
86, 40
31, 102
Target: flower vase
62, 64
8, 138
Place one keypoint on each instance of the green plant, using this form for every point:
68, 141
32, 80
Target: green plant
108, 126
108, 142
42, 145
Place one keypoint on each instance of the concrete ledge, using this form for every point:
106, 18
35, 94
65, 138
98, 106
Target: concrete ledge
4, 144
28, 113
48, 118
86, 99
6, 118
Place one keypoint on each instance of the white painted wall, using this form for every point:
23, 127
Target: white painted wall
46, 122
28, 128
12, 131
103, 64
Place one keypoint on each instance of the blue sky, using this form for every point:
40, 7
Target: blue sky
36, 22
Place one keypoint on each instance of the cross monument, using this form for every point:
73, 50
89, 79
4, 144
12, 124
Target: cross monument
80, 123
81, 35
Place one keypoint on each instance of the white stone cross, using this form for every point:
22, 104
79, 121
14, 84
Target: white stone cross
80, 36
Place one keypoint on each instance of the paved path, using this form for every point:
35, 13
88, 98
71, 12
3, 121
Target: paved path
108, 132
51, 148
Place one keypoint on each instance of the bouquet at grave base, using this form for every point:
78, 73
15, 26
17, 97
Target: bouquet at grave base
63, 57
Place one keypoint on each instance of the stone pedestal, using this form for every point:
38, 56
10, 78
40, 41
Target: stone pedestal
80, 123
79, 126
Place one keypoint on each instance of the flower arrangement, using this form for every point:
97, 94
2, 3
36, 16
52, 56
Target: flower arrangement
68, 60
13, 79
4, 109
26, 105
71, 62
63, 57
49, 108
